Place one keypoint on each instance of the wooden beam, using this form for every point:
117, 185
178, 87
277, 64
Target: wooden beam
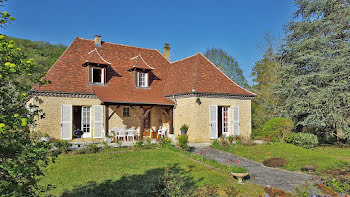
142, 120
165, 113
171, 125
107, 120
114, 111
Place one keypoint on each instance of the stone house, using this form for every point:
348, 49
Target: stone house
96, 86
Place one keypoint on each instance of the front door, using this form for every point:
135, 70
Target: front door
147, 125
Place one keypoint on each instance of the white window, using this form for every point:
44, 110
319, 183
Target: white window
85, 117
97, 75
126, 111
142, 79
224, 119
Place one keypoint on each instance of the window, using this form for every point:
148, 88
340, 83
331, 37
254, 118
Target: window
142, 79
126, 112
224, 119
85, 123
98, 75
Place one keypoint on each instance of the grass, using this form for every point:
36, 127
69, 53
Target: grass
131, 173
325, 158
339, 153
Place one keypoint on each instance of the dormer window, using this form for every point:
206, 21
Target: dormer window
142, 79
97, 75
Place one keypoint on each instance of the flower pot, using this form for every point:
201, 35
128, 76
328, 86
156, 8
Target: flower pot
239, 176
45, 139
183, 132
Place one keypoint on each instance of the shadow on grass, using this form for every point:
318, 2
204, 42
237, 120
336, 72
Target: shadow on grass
151, 183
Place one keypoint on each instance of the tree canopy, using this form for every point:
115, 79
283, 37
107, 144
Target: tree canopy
228, 65
315, 73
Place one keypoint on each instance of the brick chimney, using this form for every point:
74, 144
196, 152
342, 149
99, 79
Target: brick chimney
97, 40
167, 51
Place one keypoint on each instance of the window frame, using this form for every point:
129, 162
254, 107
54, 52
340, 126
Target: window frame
102, 76
145, 79
126, 111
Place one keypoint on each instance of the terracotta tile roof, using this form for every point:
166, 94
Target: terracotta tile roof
139, 62
95, 57
193, 73
198, 74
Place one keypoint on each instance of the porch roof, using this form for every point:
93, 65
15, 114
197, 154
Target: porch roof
127, 95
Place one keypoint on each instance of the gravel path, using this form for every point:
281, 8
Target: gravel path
259, 174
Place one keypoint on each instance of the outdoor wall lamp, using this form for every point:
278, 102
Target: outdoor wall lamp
198, 101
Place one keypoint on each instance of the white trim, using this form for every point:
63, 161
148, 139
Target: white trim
216, 122
225, 74
69, 122
102, 75
139, 55
99, 56
88, 135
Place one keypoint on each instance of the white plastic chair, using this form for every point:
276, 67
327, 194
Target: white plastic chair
121, 134
162, 132
130, 133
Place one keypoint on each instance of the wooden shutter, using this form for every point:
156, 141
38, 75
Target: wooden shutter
146, 79
98, 130
235, 121
213, 121
66, 122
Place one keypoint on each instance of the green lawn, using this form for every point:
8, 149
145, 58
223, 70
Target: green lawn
131, 173
325, 158
340, 153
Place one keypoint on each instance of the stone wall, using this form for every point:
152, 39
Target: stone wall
187, 111
51, 107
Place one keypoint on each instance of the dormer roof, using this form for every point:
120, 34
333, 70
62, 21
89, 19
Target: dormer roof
96, 58
138, 62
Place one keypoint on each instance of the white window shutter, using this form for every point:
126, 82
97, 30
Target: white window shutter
235, 121
146, 80
66, 122
98, 130
213, 121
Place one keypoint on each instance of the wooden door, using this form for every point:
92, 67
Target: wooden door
147, 125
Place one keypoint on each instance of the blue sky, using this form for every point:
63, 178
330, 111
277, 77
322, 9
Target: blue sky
190, 26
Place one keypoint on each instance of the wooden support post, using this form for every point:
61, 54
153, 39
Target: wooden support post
142, 120
171, 125
107, 120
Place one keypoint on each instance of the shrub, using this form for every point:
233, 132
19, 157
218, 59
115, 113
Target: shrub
182, 141
215, 143
164, 142
277, 129
275, 162
231, 138
139, 143
184, 128
62, 146
305, 140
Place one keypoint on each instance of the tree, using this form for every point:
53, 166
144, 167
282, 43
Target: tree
264, 75
228, 65
314, 77
22, 158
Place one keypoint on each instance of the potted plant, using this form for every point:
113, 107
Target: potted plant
45, 137
237, 170
184, 129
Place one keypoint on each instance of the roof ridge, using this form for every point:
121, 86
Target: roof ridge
120, 44
224, 73
185, 58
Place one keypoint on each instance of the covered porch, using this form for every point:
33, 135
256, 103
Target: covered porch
142, 119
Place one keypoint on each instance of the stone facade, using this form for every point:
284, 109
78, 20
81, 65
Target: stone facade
188, 111
51, 107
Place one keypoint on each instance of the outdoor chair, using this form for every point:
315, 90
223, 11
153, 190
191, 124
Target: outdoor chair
130, 133
162, 132
121, 134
